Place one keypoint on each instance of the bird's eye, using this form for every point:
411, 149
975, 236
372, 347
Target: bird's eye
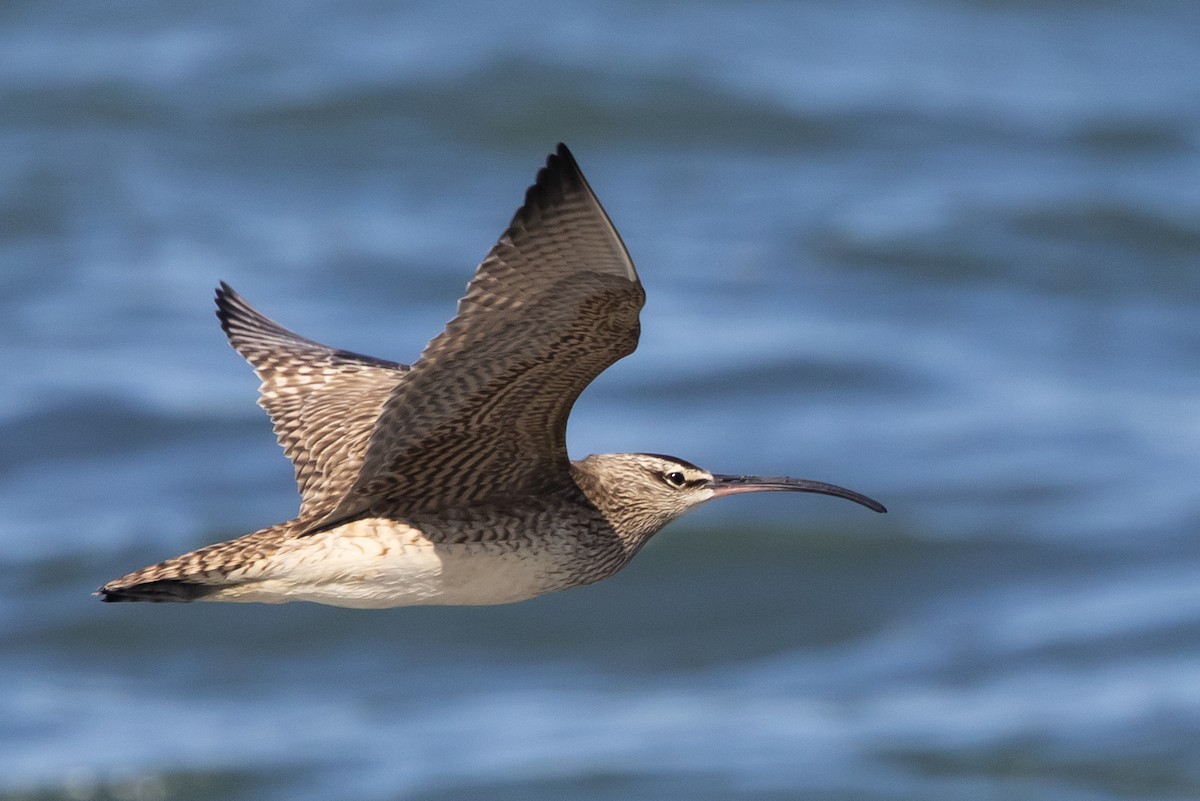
675, 478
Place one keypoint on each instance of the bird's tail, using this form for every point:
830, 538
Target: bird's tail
213, 572
161, 591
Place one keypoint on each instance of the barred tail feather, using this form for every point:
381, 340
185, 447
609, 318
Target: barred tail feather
213, 572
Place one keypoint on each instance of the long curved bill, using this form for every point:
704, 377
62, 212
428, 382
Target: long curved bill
733, 485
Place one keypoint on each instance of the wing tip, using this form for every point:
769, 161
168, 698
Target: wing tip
231, 307
560, 176
246, 326
564, 154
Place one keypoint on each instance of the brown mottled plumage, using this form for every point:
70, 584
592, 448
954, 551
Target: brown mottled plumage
322, 401
449, 481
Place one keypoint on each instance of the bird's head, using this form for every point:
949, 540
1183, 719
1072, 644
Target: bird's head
640, 493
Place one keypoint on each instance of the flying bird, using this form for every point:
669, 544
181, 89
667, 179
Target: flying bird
447, 481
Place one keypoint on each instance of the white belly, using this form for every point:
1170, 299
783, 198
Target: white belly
377, 563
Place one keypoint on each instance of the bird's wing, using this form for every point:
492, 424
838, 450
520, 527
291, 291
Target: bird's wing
322, 401
483, 413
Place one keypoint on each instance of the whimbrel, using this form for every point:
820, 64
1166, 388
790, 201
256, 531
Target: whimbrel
448, 481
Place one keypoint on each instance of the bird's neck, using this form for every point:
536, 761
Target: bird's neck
621, 509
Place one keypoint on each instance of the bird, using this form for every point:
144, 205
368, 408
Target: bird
447, 481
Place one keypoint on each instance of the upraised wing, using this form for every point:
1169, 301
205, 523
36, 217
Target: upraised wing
322, 401
483, 412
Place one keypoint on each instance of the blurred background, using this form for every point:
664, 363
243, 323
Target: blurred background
946, 253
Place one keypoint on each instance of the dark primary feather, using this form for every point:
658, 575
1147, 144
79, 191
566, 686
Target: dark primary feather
484, 411
322, 401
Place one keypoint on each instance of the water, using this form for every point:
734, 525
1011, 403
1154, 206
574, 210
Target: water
944, 253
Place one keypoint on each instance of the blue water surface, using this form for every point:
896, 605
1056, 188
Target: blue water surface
945, 253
